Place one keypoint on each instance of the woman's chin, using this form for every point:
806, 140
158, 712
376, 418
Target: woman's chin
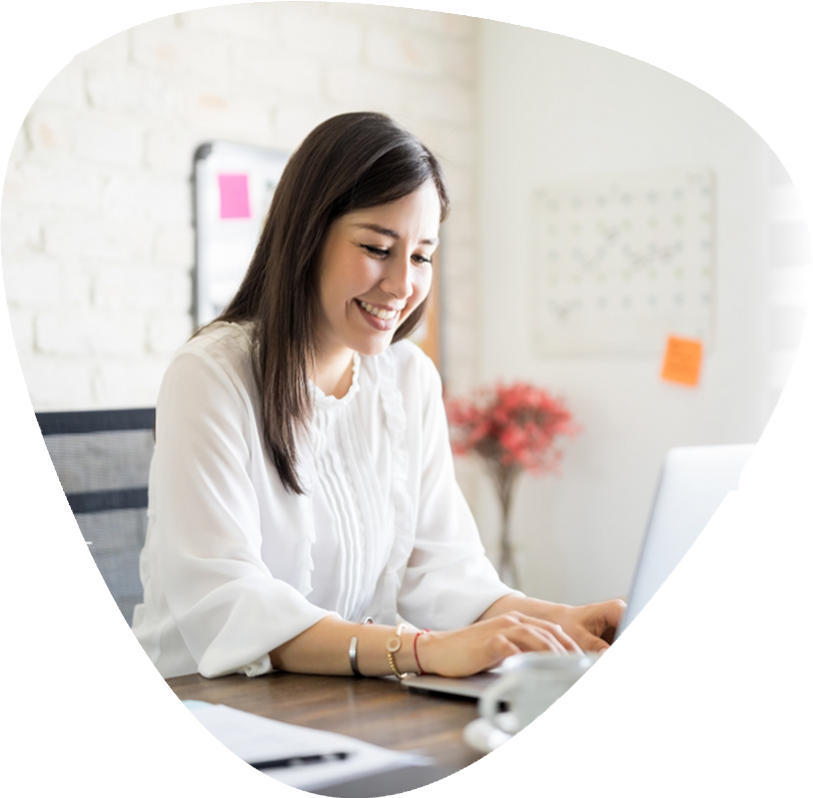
375, 346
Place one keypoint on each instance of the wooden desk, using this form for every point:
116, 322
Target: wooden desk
379, 711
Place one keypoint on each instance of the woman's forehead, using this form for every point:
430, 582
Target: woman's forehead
417, 214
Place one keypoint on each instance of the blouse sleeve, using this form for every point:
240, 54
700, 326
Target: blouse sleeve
225, 602
449, 581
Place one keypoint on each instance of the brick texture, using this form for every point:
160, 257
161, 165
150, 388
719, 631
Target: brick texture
97, 236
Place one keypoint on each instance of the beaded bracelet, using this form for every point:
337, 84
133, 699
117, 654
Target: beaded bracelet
393, 646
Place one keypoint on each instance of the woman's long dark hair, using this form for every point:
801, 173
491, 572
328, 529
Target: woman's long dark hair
349, 162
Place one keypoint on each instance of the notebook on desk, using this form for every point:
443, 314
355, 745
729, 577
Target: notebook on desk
693, 483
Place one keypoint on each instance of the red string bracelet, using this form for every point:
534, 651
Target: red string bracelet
421, 671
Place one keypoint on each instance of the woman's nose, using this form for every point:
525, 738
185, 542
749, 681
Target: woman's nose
398, 279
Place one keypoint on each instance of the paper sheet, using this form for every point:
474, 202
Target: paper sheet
257, 739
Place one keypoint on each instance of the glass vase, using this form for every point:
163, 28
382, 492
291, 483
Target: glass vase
504, 478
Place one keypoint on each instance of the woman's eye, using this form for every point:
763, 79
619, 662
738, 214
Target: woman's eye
379, 252
422, 259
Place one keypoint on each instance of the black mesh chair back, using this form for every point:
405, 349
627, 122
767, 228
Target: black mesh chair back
102, 459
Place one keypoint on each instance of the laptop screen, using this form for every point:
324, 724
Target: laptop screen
694, 481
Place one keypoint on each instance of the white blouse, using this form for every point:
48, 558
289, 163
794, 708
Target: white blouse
234, 565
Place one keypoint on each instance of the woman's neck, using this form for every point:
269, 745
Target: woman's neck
334, 375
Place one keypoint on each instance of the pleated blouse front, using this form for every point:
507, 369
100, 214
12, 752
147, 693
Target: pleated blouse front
355, 455
234, 564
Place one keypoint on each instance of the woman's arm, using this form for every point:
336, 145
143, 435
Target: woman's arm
207, 582
449, 580
324, 647
591, 626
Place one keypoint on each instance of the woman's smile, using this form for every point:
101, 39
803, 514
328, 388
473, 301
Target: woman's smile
379, 317
375, 269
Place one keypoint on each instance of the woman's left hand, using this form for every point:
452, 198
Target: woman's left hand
591, 626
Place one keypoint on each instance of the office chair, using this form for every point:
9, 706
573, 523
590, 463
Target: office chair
102, 459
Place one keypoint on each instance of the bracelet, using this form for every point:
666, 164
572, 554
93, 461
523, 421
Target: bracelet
393, 646
354, 647
421, 671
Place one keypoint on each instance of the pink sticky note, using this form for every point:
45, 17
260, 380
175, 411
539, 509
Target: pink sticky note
234, 197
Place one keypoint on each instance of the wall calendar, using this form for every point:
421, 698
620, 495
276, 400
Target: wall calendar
620, 263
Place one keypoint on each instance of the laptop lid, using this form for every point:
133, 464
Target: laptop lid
693, 483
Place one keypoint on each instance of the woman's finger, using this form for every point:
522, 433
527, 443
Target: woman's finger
499, 648
567, 642
588, 641
565, 639
533, 634
594, 625
596, 644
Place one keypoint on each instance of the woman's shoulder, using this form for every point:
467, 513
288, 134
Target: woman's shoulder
220, 340
222, 347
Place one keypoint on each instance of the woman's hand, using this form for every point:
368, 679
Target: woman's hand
487, 643
591, 626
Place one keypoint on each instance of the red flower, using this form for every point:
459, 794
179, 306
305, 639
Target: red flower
511, 427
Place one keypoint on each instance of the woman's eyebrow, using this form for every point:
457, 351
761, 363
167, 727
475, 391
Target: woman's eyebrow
385, 231
377, 228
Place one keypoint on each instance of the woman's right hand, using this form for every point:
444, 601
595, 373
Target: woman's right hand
485, 644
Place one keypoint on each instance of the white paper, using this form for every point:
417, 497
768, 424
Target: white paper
257, 739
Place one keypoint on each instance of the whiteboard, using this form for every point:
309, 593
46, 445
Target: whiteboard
233, 186
620, 263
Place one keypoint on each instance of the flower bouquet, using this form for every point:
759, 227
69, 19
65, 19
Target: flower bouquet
513, 429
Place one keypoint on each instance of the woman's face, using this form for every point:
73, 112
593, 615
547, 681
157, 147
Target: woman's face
375, 269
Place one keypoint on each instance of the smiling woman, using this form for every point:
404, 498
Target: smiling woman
375, 271
302, 493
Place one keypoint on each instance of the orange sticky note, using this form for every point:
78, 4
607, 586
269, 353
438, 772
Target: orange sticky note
682, 360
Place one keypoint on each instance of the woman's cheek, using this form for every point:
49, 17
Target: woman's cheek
422, 285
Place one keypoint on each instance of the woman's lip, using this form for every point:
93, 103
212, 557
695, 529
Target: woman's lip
382, 325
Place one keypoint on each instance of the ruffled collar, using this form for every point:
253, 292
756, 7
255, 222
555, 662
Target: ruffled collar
323, 402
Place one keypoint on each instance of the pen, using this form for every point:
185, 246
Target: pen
294, 761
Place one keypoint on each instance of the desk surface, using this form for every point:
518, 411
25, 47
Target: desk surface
379, 711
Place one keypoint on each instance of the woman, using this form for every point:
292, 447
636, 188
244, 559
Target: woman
302, 480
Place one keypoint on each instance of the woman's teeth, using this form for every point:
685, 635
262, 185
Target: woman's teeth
384, 315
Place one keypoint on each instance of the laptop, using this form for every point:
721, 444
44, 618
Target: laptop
693, 483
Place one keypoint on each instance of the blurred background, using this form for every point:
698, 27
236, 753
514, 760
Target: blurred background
98, 236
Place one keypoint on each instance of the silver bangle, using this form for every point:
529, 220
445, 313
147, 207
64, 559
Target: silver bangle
354, 647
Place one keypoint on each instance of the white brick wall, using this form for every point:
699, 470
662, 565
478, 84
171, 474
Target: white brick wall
97, 239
